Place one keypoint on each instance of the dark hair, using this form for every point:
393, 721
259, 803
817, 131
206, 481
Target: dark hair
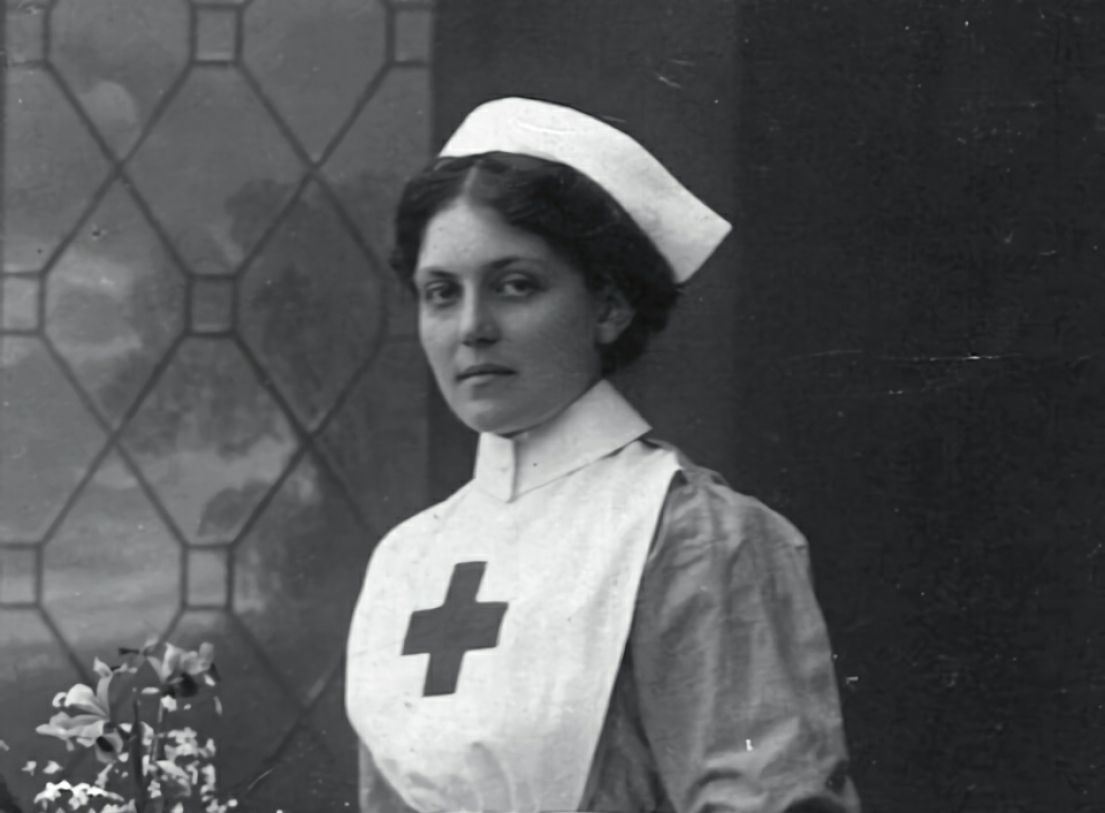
573, 214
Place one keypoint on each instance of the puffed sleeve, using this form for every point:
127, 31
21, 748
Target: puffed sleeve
732, 662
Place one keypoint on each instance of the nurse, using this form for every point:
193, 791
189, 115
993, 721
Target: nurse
592, 622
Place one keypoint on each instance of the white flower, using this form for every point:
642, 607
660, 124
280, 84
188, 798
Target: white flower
51, 768
29, 767
208, 778
180, 671
80, 797
52, 791
86, 718
123, 808
168, 703
173, 772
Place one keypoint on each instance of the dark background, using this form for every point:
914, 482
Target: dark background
899, 348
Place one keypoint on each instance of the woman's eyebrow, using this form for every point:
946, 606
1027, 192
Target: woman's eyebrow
497, 264
505, 262
433, 271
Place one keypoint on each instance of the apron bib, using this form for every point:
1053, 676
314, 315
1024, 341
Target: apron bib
488, 635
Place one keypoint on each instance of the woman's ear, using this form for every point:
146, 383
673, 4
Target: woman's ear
614, 315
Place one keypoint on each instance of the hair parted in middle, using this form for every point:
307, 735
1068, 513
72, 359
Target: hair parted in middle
576, 217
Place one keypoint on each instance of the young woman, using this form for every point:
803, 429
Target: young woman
592, 622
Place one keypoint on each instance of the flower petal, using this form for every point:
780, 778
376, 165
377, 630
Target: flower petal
101, 668
172, 656
82, 698
103, 693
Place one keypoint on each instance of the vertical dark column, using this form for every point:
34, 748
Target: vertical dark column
3, 140
924, 229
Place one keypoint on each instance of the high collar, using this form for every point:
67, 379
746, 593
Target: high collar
596, 424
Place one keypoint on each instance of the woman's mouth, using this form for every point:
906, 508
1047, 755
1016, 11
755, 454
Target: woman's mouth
483, 372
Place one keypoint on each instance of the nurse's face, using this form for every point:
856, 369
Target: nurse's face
510, 329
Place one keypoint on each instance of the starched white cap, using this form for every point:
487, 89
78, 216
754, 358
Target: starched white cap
685, 230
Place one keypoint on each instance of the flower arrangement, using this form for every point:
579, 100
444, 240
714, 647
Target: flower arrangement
128, 721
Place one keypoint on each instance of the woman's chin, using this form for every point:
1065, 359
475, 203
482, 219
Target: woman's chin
498, 418
494, 423
507, 416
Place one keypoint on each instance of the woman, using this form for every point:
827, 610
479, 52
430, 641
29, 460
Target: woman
592, 622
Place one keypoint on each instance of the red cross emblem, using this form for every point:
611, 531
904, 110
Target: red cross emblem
447, 632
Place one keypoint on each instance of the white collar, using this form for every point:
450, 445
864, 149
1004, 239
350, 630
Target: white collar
596, 424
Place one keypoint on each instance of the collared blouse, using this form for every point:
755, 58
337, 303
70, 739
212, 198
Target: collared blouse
726, 697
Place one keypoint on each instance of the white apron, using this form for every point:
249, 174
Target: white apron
490, 629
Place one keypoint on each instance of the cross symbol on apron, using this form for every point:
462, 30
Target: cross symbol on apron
447, 632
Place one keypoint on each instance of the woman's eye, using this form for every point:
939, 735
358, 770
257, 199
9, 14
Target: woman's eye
438, 293
517, 286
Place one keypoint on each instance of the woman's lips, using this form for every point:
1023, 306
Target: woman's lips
483, 372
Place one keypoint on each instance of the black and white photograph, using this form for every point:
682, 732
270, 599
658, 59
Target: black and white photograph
536, 406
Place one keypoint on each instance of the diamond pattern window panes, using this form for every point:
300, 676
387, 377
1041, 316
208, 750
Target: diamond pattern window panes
138, 305
257, 714
17, 576
120, 58
413, 34
297, 572
52, 167
19, 299
236, 155
314, 60
378, 440
372, 164
47, 439
114, 303
207, 577
25, 33
212, 304
111, 551
217, 32
311, 306
210, 439
33, 669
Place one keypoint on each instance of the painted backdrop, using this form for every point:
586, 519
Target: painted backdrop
211, 401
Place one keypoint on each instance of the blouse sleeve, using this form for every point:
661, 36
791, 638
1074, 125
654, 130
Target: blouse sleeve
732, 661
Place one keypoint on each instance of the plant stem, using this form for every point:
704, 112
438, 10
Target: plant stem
136, 760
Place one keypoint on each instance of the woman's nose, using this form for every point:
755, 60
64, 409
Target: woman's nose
478, 325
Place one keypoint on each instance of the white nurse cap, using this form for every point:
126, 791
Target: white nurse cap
684, 229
